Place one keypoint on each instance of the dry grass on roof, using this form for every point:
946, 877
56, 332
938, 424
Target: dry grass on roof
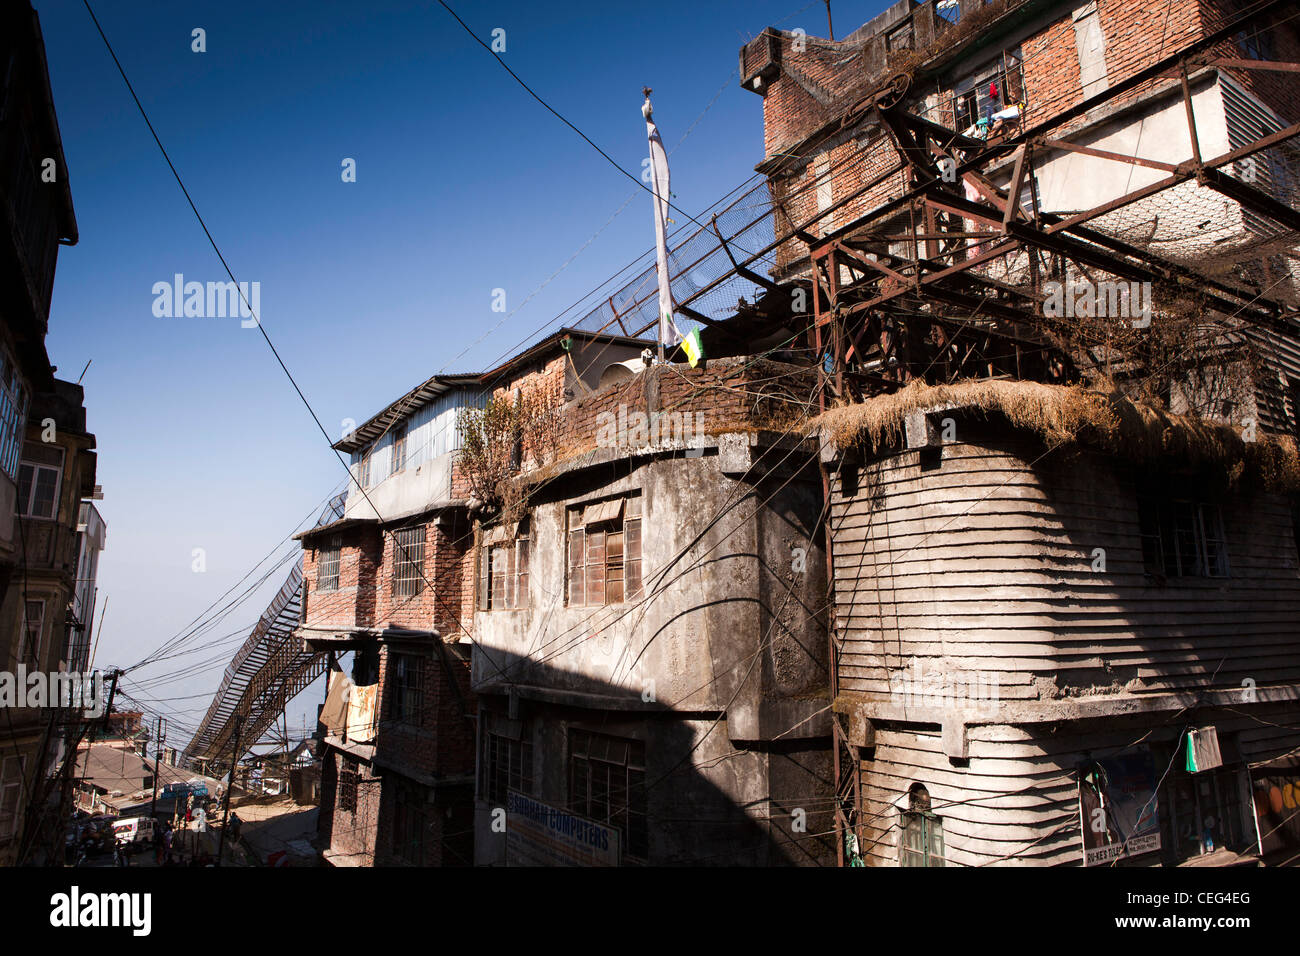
1062, 415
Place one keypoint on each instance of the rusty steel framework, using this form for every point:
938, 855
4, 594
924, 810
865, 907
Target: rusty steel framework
270, 669
960, 293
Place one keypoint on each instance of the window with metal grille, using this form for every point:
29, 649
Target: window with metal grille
503, 574
348, 785
920, 839
508, 765
399, 448
11, 788
607, 784
409, 824
14, 399
405, 689
988, 92
1255, 39
408, 561
327, 567
605, 552
1182, 538
38, 480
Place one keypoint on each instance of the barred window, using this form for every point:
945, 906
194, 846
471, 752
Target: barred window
405, 689
409, 824
348, 785
14, 399
12, 777
1182, 538
508, 765
607, 784
327, 566
605, 552
408, 561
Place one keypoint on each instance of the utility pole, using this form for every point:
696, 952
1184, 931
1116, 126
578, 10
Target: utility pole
112, 692
230, 786
157, 765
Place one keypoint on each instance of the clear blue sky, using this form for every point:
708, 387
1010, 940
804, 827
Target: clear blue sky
464, 184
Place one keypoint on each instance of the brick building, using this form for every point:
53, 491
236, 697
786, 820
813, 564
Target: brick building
392, 582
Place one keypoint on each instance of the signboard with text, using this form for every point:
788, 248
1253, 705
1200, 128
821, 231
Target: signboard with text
1117, 808
541, 835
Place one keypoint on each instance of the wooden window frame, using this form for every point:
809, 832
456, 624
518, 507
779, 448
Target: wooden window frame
604, 552
504, 574
363, 468
29, 477
927, 827
398, 456
30, 632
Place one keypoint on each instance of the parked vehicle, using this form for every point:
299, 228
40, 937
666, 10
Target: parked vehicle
96, 835
134, 832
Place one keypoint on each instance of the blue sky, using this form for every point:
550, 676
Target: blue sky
464, 184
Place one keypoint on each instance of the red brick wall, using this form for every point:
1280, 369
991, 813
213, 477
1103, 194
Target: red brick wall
353, 603
1279, 91
351, 832
1136, 34
726, 392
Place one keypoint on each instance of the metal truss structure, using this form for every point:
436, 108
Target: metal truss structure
270, 669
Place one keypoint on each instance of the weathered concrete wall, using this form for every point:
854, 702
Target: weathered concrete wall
707, 802
408, 492
719, 670
717, 600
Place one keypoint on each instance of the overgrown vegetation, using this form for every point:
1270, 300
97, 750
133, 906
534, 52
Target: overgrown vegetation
509, 434
1064, 415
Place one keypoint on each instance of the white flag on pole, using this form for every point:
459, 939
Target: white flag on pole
668, 333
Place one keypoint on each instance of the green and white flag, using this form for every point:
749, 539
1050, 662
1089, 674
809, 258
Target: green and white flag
693, 347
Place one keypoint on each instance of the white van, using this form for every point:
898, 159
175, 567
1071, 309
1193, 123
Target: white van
134, 832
